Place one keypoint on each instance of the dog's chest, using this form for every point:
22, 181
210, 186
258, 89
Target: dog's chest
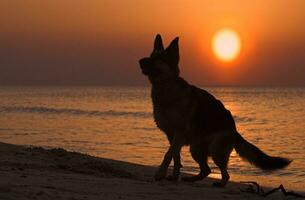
171, 106
166, 118
171, 117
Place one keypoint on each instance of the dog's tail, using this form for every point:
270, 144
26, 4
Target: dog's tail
257, 157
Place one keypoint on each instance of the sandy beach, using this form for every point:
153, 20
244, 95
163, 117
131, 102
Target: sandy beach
38, 173
97, 96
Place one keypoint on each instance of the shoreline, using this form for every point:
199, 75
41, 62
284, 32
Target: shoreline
29, 172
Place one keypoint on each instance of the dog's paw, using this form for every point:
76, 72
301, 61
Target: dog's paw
161, 174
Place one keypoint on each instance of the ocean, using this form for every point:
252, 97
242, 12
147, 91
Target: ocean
117, 123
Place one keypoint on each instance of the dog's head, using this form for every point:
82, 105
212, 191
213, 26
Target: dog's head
162, 64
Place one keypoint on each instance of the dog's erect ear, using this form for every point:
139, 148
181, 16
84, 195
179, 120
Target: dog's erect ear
158, 46
173, 50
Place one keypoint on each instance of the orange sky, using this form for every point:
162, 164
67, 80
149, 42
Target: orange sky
99, 41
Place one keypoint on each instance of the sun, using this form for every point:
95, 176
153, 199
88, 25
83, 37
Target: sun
226, 45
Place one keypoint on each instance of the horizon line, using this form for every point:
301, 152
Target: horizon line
147, 85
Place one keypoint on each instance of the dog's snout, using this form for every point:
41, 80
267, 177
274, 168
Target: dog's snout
144, 62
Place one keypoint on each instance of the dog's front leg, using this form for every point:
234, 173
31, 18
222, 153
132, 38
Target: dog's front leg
173, 152
176, 171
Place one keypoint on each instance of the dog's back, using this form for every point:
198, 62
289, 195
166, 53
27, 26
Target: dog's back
211, 114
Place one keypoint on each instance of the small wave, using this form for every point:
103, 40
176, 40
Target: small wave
145, 128
47, 110
243, 119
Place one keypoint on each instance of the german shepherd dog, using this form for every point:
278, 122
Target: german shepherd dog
191, 116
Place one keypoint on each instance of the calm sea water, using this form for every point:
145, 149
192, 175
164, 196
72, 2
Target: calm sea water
117, 123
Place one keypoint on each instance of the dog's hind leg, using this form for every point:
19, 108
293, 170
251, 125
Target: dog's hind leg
222, 163
201, 157
220, 150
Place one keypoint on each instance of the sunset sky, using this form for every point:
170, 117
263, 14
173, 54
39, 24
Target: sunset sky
99, 42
